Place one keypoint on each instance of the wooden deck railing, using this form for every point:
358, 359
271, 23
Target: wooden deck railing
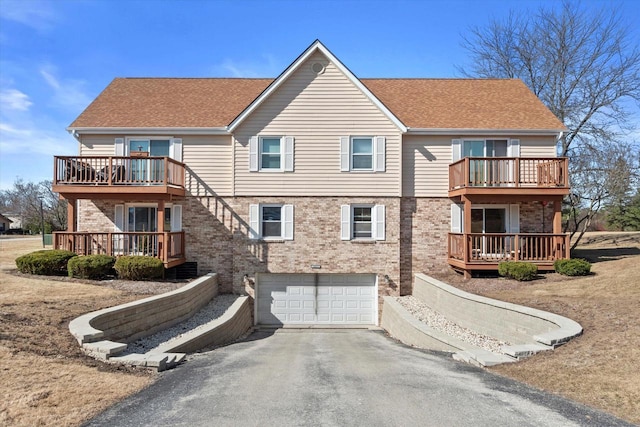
117, 170
509, 172
495, 247
166, 245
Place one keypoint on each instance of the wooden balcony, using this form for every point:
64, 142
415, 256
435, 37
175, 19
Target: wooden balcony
168, 246
114, 176
522, 176
484, 251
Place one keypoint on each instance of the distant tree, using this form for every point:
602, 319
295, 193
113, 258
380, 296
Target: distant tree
626, 216
585, 67
606, 177
24, 198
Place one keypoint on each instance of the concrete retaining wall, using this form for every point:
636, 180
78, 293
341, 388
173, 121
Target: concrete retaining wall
404, 327
128, 322
508, 322
228, 327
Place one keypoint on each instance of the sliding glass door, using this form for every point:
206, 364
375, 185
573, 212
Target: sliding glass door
147, 170
485, 172
488, 221
143, 219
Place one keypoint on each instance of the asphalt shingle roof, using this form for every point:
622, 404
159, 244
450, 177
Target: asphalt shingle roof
418, 103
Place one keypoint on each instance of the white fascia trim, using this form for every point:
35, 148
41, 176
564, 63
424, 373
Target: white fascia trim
317, 45
148, 131
500, 132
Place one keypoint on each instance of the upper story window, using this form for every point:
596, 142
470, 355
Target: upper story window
271, 222
271, 153
362, 222
153, 146
362, 153
484, 148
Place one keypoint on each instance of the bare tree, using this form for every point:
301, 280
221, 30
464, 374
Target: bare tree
585, 67
24, 199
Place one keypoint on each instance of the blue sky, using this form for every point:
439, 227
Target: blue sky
56, 56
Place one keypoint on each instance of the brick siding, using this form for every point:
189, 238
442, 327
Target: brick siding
217, 230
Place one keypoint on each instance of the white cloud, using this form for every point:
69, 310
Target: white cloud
33, 140
267, 67
67, 93
13, 99
36, 14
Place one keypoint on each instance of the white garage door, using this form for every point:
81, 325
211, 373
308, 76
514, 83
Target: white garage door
341, 299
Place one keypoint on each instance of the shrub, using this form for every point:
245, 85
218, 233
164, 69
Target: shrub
45, 262
90, 266
522, 271
139, 268
572, 267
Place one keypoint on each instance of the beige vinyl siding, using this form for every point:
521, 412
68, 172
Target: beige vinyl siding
425, 166
98, 145
317, 110
426, 159
208, 159
538, 146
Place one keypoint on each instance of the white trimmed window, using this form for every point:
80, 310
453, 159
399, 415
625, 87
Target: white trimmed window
271, 222
155, 146
362, 222
271, 153
484, 148
362, 153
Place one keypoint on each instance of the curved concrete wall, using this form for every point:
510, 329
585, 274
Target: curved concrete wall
228, 327
508, 322
403, 326
128, 322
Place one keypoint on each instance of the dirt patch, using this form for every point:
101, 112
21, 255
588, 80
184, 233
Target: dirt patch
599, 368
46, 379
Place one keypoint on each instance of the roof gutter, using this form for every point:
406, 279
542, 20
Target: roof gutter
74, 134
484, 132
76, 131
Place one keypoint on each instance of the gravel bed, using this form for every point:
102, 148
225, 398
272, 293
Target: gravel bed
426, 315
207, 314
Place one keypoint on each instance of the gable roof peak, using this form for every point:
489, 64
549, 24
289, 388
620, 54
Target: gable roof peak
315, 46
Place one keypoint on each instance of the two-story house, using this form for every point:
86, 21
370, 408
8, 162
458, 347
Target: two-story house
317, 192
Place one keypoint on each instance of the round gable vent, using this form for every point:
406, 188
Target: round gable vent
317, 68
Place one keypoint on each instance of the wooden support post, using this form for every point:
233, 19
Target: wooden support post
557, 215
160, 228
466, 227
110, 171
72, 215
165, 179
467, 173
160, 216
557, 229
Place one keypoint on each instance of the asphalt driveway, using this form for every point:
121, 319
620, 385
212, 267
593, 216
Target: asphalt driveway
339, 378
